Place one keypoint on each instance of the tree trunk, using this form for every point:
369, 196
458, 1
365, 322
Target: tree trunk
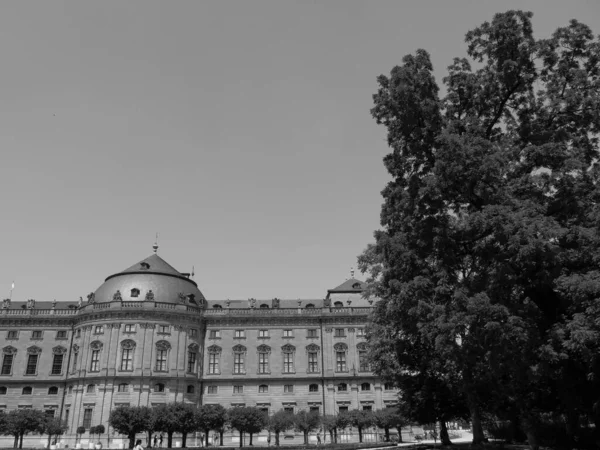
360, 434
335, 436
131, 437
305, 437
444, 436
331, 436
221, 438
21, 440
478, 436
170, 439
16, 441
399, 434
241, 439
277, 438
183, 439
250, 443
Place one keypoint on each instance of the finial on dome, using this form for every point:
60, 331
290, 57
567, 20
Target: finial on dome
351, 272
155, 246
193, 272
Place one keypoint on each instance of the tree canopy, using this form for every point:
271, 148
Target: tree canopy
487, 261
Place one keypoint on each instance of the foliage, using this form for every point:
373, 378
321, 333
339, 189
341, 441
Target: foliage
306, 422
247, 420
389, 418
128, 420
53, 426
280, 422
175, 417
361, 419
487, 262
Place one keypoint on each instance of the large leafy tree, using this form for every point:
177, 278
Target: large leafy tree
487, 260
305, 422
247, 420
20, 422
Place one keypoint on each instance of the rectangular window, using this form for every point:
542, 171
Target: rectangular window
32, 361
288, 362
49, 413
87, 418
99, 329
288, 388
191, 367
95, 364
67, 416
314, 409
313, 362
164, 329
288, 333
7, 362
263, 333
161, 360
78, 334
238, 363
57, 364
214, 334
211, 389
213, 363
12, 334
36, 334
289, 409
75, 356
239, 334
193, 332
312, 333
340, 361
363, 362
360, 331
123, 387
129, 328
127, 359
62, 334
238, 389
339, 332
263, 389
263, 363
367, 408
343, 409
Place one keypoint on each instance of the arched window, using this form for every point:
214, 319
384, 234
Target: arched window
53, 390
127, 349
162, 356
239, 359
190, 389
338, 305
91, 388
27, 390
365, 387
312, 351
340, 357
135, 292
217, 307
342, 387
288, 351
263, 358
264, 306
313, 387
123, 387
310, 306
159, 387
96, 348
3, 390
263, 389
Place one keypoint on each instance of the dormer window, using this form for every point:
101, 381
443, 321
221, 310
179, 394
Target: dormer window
135, 292
192, 298
144, 265
264, 306
356, 286
310, 306
217, 307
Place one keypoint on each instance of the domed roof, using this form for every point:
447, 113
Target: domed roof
151, 277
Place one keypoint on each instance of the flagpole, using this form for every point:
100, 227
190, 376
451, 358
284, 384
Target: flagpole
11, 289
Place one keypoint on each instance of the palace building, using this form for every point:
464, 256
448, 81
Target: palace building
148, 336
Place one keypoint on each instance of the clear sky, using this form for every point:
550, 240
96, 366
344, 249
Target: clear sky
240, 131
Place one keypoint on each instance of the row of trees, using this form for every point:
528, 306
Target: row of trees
20, 422
187, 418
488, 260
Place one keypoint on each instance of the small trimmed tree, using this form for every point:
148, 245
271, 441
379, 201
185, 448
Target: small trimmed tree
100, 430
211, 417
361, 420
389, 418
53, 426
306, 422
279, 422
80, 430
20, 422
247, 420
186, 419
128, 420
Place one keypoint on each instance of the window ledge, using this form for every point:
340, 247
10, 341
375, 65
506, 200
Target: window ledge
239, 373
264, 337
288, 373
61, 339
30, 374
244, 337
161, 370
55, 374
125, 370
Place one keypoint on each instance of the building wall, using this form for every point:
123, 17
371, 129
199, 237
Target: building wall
145, 327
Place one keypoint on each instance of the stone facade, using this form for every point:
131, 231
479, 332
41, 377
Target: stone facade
80, 360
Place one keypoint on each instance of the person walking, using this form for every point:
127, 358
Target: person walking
160, 439
138, 445
155, 440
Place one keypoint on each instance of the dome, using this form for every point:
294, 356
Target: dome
153, 279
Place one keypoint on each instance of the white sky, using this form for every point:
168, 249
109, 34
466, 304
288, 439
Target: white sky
240, 131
